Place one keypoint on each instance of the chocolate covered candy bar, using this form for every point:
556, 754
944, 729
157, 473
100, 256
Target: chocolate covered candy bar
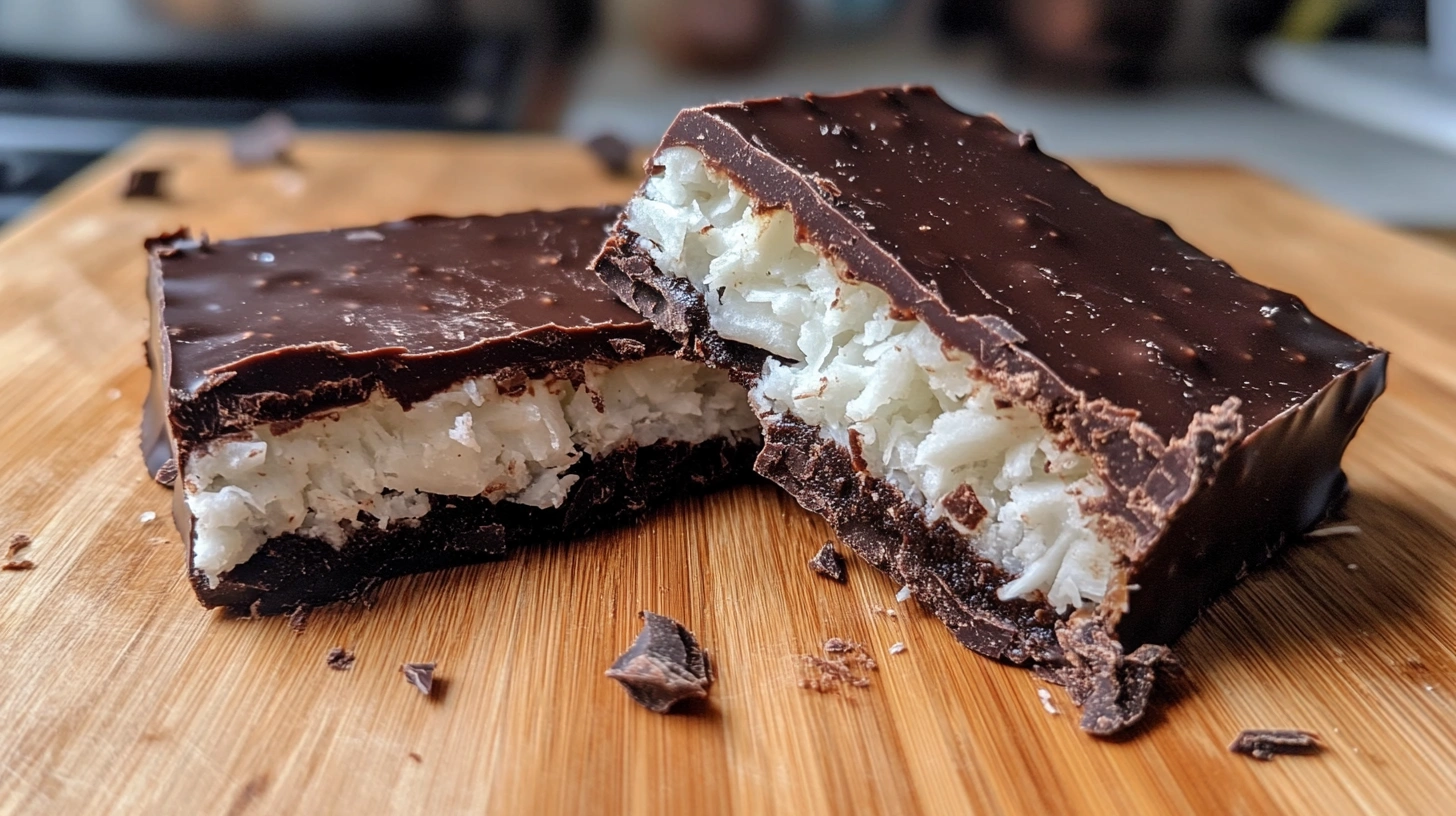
1062, 427
340, 407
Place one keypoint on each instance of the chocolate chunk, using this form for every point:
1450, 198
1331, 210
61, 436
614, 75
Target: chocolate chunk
829, 563
17, 566
1112, 689
270, 339
341, 659
1208, 413
298, 618
664, 666
614, 154
18, 542
144, 184
420, 675
166, 472
416, 757
1264, 744
265, 140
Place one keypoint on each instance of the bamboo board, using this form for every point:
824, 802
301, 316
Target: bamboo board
122, 695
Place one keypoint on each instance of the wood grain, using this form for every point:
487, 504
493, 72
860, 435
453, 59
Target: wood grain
122, 695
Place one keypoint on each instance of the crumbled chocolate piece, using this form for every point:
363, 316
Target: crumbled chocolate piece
167, 473
17, 566
664, 666
829, 563
264, 140
964, 507
18, 542
416, 757
614, 153
144, 184
340, 659
1111, 688
1264, 744
298, 620
420, 675
846, 664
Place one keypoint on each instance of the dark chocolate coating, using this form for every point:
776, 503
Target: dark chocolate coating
262, 330
1214, 410
277, 330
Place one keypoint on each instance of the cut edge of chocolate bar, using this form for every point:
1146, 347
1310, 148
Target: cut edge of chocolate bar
790, 233
317, 463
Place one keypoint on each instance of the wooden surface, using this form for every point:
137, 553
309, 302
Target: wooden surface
121, 694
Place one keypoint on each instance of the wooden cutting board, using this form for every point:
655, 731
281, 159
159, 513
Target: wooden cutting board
122, 694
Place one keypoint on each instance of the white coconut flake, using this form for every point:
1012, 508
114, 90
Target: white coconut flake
896, 648
147, 517
903, 595
377, 463
1046, 701
364, 235
922, 417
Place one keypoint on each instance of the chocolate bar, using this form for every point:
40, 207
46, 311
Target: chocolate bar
1061, 426
341, 407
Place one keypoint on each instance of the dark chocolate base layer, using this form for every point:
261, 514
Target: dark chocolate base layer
294, 571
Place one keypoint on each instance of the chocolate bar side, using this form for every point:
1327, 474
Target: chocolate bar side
625, 485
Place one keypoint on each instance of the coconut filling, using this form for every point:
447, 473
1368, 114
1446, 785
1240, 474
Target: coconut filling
888, 389
376, 458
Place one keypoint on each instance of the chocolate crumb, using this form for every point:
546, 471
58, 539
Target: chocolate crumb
340, 659
17, 566
264, 140
416, 757
614, 153
420, 675
18, 542
1264, 744
298, 621
167, 473
144, 184
1112, 688
664, 666
829, 563
846, 664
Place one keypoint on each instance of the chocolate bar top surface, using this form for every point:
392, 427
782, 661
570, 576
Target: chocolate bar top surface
268, 330
956, 216
426, 285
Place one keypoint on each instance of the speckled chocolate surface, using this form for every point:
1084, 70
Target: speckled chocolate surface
275, 330
1214, 409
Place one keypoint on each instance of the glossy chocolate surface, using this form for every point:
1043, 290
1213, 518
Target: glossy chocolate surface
956, 216
261, 330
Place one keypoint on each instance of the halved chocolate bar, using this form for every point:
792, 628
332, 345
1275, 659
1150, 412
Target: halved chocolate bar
1061, 426
341, 407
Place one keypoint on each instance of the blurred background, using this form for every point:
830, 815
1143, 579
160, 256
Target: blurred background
1353, 101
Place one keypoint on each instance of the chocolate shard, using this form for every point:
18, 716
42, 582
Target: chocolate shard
829, 563
1264, 744
340, 659
614, 153
962, 329
17, 566
409, 396
664, 667
144, 184
18, 542
420, 675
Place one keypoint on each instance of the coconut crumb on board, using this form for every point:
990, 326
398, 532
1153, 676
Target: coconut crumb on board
148, 517
897, 648
1046, 701
903, 595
